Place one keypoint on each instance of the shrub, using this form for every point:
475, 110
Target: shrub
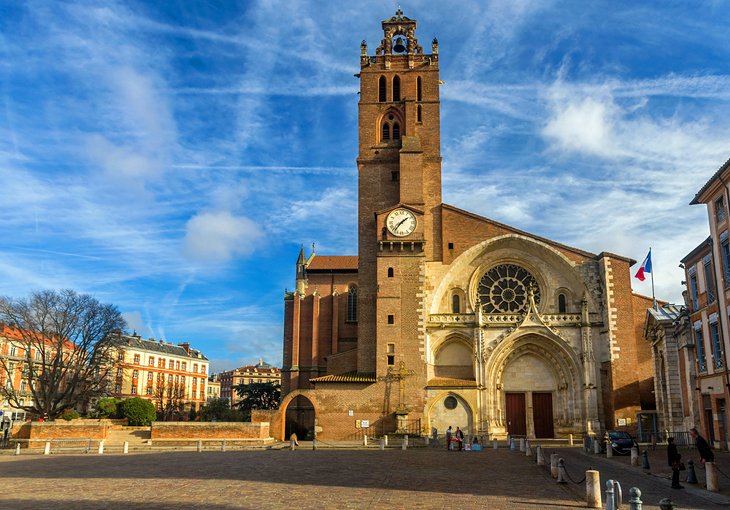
138, 411
108, 407
70, 414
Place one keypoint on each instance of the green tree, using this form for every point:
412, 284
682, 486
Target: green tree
108, 407
219, 409
138, 411
258, 396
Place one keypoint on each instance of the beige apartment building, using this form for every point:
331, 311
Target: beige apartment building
261, 372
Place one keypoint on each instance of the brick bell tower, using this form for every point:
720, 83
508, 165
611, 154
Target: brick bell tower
399, 186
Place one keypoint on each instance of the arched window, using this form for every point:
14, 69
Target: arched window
418, 90
455, 304
562, 306
381, 90
390, 272
351, 305
418, 113
396, 88
386, 132
396, 131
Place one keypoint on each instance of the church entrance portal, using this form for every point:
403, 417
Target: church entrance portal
516, 418
542, 414
300, 418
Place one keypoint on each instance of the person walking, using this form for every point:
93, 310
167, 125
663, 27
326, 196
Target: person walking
674, 459
703, 448
448, 438
460, 438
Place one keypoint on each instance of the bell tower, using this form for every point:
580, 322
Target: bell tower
399, 172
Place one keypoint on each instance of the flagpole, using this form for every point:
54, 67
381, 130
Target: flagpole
653, 296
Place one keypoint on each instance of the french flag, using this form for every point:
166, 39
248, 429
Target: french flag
645, 267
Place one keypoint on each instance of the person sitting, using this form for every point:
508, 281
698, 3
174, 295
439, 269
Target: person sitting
703, 448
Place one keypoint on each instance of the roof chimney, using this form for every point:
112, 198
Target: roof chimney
186, 346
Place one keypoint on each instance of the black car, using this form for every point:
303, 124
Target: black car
621, 442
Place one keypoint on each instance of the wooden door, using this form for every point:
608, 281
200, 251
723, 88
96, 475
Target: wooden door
516, 414
542, 414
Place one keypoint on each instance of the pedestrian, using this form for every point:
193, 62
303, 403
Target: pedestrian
674, 458
448, 438
460, 438
703, 448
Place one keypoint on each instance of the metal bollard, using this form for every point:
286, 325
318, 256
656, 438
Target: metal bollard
522, 444
495, 444
125, 447
223, 445
554, 465
635, 501
614, 496
17, 448
365, 440
645, 460
634, 456
609, 450
382, 443
101, 447
593, 489
596, 446
528, 449
511, 443
666, 504
200, 445
691, 475
540, 456
713, 484
562, 475
314, 443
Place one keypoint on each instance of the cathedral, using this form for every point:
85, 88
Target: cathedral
447, 318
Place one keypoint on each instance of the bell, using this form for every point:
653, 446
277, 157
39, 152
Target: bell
399, 47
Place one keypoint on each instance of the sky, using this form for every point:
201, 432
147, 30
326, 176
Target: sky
171, 157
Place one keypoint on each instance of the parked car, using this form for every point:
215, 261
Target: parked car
620, 441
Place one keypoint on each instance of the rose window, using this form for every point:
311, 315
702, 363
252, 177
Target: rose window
505, 289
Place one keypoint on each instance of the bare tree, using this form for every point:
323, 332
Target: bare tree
62, 342
169, 398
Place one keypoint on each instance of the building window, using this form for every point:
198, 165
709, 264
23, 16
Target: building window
386, 132
396, 89
390, 272
134, 390
195, 367
152, 361
136, 358
419, 114
419, 92
169, 379
716, 347
135, 374
725, 253
149, 376
149, 390
455, 304
161, 363
202, 369
707, 261
14, 350
700, 344
184, 366
391, 354
171, 364
562, 305
693, 287
182, 379
396, 131
382, 90
720, 209
120, 356
118, 388
119, 372
391, 319
351, 304
177, 365
37, 355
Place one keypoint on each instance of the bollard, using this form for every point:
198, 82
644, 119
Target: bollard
610, 501
405, 440
101, 447
634, 456
570, 439
522, 444
635, 501
511, 443
292, 445
691, 475
426, 438
562, 475
404, 445
713, 484
314, 443
47, 448
540, 456
554, 465
495, 444
593, 489
596, 446
666, 504
528, 449
365, 440
609, 451
386, 440
125, 448
645, 460
382, 443
200, 445
223, 445
17, 448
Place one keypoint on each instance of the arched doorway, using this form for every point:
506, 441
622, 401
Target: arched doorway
450, 411
299, 418
529, 385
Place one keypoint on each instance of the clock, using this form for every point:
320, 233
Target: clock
401, 222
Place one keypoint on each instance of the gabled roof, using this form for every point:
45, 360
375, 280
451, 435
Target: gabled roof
351, 377
715, 176
332, 263
697, 250
666, 312
136, 342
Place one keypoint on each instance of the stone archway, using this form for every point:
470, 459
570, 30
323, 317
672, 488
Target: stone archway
299, 418
450, 410
547, 375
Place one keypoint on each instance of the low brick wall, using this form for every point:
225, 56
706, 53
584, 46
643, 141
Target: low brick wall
209, 430
92, 429
270, 416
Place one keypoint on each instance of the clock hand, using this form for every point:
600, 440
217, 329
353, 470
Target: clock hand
400, 223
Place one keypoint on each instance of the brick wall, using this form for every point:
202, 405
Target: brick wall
63, 430
206, 430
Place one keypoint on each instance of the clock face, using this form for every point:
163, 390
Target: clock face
401, 222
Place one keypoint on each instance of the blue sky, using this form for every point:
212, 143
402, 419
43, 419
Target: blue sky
171, 157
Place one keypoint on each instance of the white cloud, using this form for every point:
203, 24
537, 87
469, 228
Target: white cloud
583, 125
219, 236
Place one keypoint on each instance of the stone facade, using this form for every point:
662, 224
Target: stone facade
460, 320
